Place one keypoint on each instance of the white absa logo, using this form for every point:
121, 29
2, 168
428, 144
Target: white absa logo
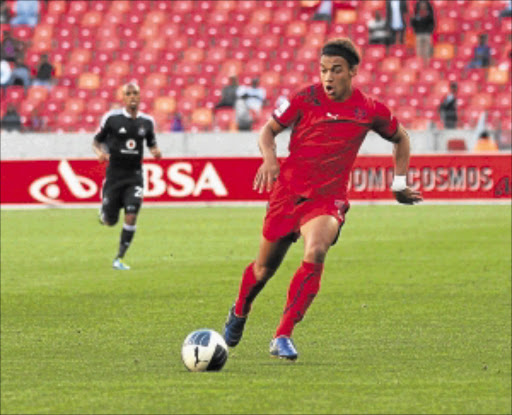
46, 190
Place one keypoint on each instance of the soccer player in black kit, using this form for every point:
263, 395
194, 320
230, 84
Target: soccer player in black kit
120, 141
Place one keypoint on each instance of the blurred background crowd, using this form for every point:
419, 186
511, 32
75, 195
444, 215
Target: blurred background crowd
225, 65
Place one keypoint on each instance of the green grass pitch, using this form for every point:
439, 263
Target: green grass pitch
414, 314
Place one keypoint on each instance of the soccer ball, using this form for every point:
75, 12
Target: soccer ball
204, 350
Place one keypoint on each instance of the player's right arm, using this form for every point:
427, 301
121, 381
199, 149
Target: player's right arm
282, 117
99, 139
269, 170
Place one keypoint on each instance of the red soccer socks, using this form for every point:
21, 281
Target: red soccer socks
249, 289
303, 289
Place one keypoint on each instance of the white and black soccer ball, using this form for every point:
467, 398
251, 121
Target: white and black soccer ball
204, 350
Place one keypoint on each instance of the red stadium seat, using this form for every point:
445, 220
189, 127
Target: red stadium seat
467, 88
97, 106
185, 106
89, 81
261, 16
78, 7
74, 105
254, 67
225, 5
37, 94
224, 120
390, 64
165, 105
375, 53
202, 118
231, 67
155, 80
407, 76
498, 76
444, 51
57, 6
196, 92
503, 101
270, 80
92, 19
428, 76
482, 101
193, 55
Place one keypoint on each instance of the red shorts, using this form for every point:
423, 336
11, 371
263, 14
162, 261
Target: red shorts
286, 213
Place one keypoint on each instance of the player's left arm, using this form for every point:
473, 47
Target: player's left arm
151, 142
401, 155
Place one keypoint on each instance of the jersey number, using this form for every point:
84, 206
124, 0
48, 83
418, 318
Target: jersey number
138, 191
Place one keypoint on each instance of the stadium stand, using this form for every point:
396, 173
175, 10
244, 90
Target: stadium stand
182, 53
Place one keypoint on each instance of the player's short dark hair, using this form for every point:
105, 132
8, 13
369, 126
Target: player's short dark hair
133, 84
344, 47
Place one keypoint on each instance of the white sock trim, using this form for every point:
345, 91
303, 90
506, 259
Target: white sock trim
129, 227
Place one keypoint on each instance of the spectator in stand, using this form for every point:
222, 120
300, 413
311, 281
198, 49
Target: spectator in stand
11, 120
5, 12
448, 108
324, 11
27, 13
481, 54
10, 47
485, 143
255, 95
506, 12
228, 96
378, 33
35, 122
21, 74
396, 11
423, 25
177, 123
44, 73
243, 114
5, 74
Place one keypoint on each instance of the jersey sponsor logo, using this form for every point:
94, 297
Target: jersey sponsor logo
122, 130
131, 147
282, 108
46, 189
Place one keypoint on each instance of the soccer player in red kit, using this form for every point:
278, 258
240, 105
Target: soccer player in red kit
329, 122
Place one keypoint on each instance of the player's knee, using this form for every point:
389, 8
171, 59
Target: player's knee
262, 272
316, 253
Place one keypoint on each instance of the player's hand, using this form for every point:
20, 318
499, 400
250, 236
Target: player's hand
266, 176
156, 153
103, 157
408, 196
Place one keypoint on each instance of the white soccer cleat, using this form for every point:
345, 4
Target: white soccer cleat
120, 265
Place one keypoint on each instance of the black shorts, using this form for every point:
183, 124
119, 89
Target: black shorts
118, 193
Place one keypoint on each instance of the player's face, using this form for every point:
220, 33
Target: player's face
131, 98
336, 76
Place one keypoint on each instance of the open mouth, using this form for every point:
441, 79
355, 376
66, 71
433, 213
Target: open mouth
329, 89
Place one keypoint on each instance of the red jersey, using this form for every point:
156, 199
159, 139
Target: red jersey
326, 137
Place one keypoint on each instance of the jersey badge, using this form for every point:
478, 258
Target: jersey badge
142, 131
360, 113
